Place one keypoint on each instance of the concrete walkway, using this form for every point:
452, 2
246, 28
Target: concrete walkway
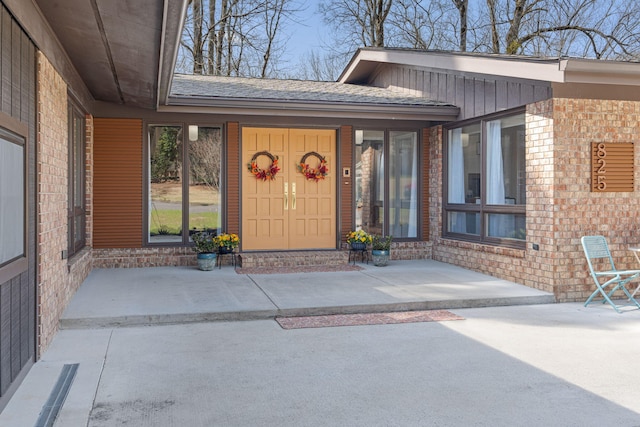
527, 365
117, 297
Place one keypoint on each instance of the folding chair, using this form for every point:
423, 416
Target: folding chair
596, 248
636, 251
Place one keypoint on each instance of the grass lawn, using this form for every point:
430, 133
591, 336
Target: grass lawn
170, 221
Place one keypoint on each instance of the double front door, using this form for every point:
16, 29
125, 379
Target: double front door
291, 211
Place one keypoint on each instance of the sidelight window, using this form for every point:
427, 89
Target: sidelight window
76, 205
184, 182
387, 182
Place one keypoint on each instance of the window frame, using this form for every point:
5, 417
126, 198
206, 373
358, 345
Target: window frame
77, 179
482, 208
387, 169
185, 236
17, 132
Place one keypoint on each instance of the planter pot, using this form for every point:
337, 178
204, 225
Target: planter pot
380, 258
222, 250
358, 246
207, 261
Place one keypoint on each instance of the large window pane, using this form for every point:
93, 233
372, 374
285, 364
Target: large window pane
464, 222
12, 193
369, 173
403, 184
184, 182
485, 172
464, 164
463, 173
165, 187
76, 217
506, 226
506, 161
204, 180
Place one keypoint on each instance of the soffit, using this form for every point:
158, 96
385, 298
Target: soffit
116, 45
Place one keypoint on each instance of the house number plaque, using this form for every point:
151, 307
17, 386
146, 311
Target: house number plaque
611, 167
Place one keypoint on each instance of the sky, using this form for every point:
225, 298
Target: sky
305, 35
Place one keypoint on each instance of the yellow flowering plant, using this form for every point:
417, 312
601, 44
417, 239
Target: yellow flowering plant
359, 236
227, 240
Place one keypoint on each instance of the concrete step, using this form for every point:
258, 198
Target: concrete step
293, 259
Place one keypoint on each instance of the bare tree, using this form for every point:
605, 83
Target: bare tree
321, 67
589, 28
245, 37
360, 22
462, 7
493, 25
234, 37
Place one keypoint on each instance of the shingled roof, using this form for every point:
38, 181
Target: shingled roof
190, 86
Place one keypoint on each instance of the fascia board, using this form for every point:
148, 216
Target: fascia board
300, 109
169, 46
601, 72
531, 69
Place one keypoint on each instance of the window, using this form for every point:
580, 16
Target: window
485, 181
76, 209
378, 196
184, 182
12, 197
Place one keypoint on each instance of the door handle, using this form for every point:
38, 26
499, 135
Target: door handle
293, 196
286, 196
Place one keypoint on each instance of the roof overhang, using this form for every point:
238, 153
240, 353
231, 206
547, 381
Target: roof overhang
123, 50
364, 63
256, 107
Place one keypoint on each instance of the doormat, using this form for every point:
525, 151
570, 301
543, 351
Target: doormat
366, 319
299, 269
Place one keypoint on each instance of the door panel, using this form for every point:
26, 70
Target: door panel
316, 201
263, 210
289, 212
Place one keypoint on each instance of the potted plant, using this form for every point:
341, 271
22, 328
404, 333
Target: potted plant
381, 249
206, 249
226, 242
358, 240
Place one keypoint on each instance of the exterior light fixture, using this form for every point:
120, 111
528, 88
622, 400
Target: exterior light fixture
193, 132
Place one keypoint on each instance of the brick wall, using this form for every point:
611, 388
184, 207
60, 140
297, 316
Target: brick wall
577, 211
560, 205
58, 279
144, 257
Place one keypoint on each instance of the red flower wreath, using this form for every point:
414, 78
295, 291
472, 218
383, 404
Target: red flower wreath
313, 173
267, 174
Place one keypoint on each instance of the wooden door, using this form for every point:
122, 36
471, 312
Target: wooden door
289, 212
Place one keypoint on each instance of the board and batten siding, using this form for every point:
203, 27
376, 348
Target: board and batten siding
233, 171
118, 183
474, 95
345, 147
18, 293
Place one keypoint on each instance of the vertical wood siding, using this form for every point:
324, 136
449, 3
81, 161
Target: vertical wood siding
346, 191
18, 294
118, 183
233, 178
425, 184
475, 95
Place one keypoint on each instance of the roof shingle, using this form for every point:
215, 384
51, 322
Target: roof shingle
192, 86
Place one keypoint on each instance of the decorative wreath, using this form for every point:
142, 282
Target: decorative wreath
317, 173
267, 174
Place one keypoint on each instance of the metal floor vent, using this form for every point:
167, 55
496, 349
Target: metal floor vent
59, 393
